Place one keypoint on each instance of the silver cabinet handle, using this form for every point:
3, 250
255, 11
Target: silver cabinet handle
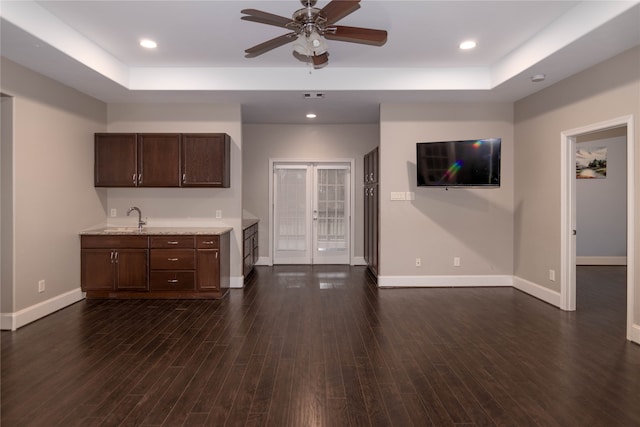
112, 255
208, 242
184, 177
139, 178
134, 179
172, 242
172, 259
116, 256
172, 281
216, 254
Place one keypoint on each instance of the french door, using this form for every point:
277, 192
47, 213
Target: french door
311, 213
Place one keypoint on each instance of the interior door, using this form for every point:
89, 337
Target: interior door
311, 213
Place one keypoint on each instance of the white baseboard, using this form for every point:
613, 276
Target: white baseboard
540, 292
13, 321
358, 260
635, 333
601, 260
442, 281
264, 260
236, 282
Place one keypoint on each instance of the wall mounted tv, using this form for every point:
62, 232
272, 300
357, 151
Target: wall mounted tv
470, 163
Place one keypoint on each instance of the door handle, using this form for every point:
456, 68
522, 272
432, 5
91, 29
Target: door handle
315, 215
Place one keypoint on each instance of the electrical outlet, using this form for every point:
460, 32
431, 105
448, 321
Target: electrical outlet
456, 261
41, 286
418, 262
114, 213
218, 214
552, 275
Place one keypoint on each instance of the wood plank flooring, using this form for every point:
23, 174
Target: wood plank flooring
322, 346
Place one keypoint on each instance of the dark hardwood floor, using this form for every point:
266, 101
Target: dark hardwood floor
322, 346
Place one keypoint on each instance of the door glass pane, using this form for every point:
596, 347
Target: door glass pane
331, 230
291, 232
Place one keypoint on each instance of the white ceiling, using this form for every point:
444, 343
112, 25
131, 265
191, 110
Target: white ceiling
93, 46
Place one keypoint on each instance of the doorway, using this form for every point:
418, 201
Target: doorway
568, 214
311, 218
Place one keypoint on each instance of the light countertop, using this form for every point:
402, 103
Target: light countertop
248, 222
148, 231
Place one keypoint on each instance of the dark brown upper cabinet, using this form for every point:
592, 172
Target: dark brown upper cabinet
116, 160
158, 160
205, 160
162, 160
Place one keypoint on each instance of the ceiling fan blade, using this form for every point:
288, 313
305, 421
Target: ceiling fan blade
338, 9
357, 35
261, 17
320, 60
261, 48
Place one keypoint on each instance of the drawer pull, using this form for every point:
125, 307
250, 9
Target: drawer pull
172, 259
172, 281
172, 242
208, 242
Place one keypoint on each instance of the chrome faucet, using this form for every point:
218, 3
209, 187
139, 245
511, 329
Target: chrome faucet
141, 222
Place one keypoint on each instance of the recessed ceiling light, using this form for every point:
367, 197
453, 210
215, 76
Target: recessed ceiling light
468, 44
148, 43
311, 116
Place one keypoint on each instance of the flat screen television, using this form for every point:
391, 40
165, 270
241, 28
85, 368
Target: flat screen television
470, 163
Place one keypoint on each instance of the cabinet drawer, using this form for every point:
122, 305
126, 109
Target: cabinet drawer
171, 242
172, 281
208, 242
172, 259
113, 242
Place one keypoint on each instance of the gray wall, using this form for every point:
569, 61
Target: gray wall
52, 186
473, 224
6, 204
601, 204
604, 92
183, 206
311, 142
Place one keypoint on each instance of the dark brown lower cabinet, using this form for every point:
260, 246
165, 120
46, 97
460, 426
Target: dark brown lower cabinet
155, 266
109, 264
250, 252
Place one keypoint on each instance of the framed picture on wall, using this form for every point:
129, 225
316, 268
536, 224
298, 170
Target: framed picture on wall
591, 163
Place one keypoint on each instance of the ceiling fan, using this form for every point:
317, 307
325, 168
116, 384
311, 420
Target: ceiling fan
310, 26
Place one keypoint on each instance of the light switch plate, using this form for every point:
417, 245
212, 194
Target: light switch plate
395, 195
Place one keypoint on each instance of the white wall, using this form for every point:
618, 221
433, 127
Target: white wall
601, 206
473, 224
311, 142
53, 191
183, 206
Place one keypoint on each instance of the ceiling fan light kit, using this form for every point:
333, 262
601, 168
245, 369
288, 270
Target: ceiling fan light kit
311, 28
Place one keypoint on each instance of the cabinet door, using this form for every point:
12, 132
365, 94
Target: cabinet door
374, 228
367, 224
97, 271
159, 160
131, 269
255, 251
115, 160
208, 273
205, 160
